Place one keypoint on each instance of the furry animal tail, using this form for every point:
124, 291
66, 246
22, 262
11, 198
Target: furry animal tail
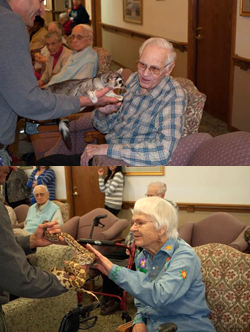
63, 125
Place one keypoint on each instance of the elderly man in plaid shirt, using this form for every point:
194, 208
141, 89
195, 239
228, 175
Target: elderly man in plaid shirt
147, 128
148, 125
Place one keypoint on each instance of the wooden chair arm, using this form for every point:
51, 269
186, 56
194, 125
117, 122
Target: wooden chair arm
90, 136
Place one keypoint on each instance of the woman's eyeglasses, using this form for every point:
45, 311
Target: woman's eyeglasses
153, 69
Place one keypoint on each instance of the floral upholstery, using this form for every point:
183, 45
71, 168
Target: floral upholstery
43, 315
195, 104
226, 274
64, 207
104, 60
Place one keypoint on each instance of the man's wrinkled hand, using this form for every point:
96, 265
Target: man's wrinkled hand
92, 150
109, 109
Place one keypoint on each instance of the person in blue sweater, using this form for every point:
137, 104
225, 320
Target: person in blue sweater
42, 175
167, 284
43, 210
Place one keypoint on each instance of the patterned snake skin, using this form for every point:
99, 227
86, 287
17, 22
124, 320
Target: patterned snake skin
82, 257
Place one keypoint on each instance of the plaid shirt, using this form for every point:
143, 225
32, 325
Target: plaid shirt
146, 129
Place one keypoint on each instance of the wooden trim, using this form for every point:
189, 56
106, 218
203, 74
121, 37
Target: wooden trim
231, 75
243, 63
68, 181
191, 59
178, 45
192, 207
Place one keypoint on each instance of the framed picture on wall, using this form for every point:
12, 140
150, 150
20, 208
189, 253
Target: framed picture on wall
132, 11
156, 170
245, 8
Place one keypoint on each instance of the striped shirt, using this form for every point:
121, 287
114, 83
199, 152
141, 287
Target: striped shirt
48, 178
147, 128
113, 190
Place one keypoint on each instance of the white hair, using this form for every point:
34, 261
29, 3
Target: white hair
162, 187
163, 43
161, 211
42, 186
64, 15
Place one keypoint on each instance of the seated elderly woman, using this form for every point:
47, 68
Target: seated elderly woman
42, 210
83, 61
167, 285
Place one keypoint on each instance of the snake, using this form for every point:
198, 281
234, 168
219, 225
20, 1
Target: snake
82, 256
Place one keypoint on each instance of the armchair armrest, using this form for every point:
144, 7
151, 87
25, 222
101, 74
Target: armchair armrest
90, 136
240, 243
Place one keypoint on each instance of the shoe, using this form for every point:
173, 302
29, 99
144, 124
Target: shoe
110, 308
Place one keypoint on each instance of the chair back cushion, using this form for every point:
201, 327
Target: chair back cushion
226, 274
231, 149
104, 60
21, 212
85, 224
64, 207
195, 105
220, 227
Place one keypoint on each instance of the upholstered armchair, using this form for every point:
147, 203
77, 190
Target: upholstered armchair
219, 227
225, 272
43, 315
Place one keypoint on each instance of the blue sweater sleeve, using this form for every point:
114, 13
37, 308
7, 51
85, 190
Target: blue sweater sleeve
31, 178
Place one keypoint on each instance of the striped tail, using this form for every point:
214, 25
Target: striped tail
63, 125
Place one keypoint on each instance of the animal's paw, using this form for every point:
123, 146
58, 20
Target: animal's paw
112, 94
92, 97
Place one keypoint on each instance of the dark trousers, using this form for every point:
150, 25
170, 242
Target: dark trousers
114, 211
60, 160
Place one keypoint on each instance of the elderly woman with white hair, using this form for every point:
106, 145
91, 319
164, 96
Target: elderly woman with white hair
167, 285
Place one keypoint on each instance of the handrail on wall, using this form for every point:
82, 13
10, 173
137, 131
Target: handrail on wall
178, 45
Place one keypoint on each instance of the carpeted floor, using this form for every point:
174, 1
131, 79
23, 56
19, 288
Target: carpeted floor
111, 322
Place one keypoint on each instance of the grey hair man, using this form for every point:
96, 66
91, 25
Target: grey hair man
159, 189
43, 209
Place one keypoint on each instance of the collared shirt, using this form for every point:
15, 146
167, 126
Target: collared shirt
146, 129
167, 288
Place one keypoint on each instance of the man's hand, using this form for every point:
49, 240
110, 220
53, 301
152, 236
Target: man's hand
103, 263
92, 150
37, 239
109, 109
139, 327
102, 99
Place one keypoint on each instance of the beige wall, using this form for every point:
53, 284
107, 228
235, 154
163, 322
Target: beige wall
242, 34
170, 23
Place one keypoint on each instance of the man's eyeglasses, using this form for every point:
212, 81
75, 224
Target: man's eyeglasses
153, 69
79, 37
40, 194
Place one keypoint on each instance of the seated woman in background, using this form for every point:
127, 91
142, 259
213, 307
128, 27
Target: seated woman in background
167, 285
58, 56
83, 61
10, 210
43, 210
42, 175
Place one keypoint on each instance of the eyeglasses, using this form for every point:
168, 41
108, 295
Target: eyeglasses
153, 69
138, 223
149, 195
40, 194
79, 37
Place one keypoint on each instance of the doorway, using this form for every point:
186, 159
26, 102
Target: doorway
211, 44
83, 193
